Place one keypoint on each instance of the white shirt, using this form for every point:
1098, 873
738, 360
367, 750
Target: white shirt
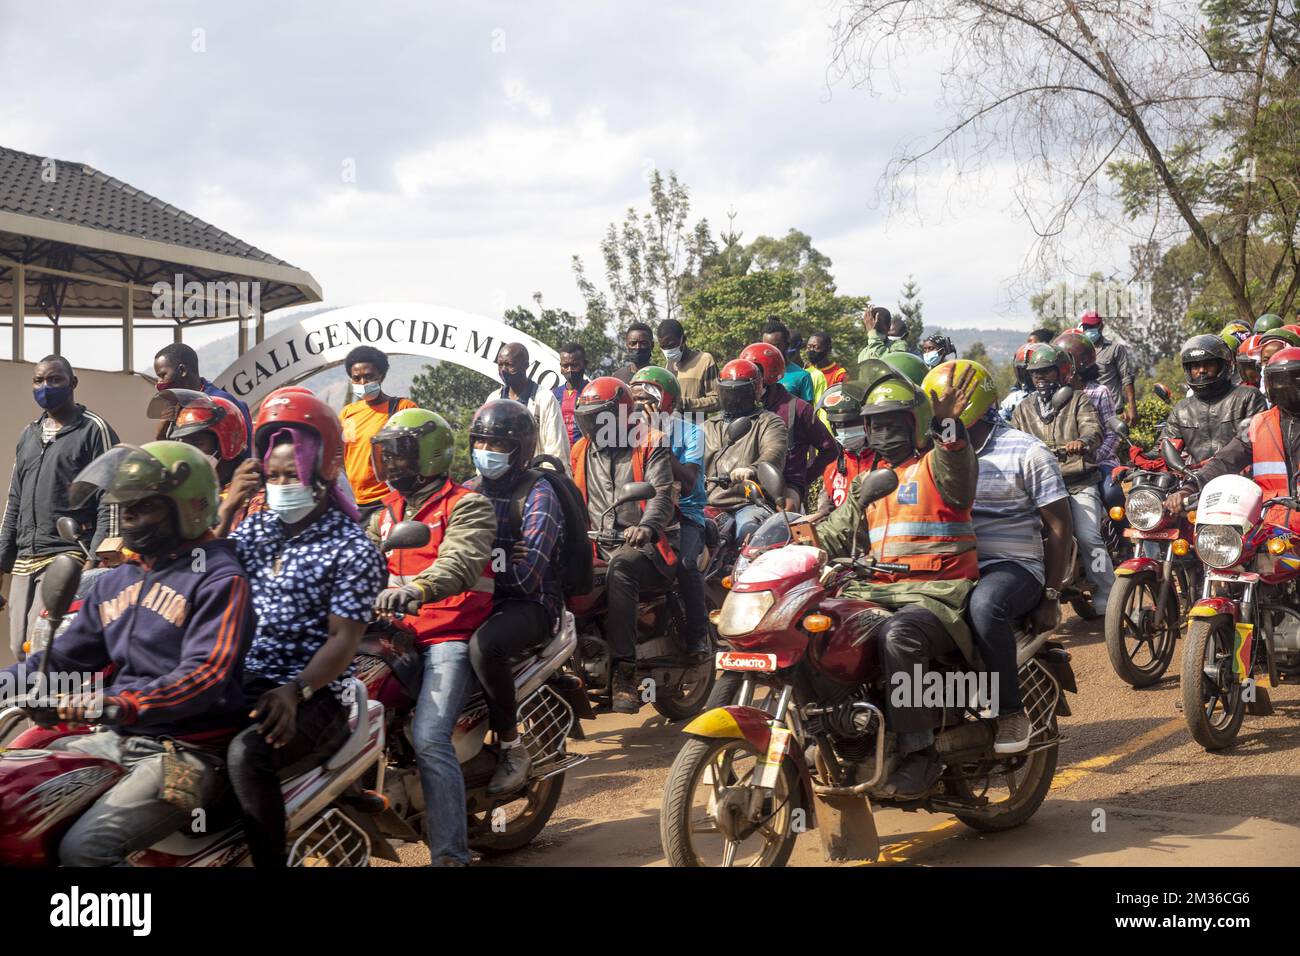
552, 434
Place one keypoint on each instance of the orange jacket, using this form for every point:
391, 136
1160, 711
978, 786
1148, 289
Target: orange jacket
640, 454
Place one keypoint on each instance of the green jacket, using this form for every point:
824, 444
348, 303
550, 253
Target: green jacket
466, 545
956, 473
878, 346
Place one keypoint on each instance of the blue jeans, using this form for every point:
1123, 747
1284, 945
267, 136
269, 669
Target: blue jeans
1005, 592
443, 692
692, 583
748, 518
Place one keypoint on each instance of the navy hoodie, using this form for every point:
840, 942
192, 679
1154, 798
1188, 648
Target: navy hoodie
176, 635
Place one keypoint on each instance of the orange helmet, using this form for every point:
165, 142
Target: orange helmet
599, 397
768, 358
191, 412
295, 405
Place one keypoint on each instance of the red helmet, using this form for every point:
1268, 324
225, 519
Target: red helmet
191, 412
768, 358
295, 405
1282, 379
1081, 350
740, 387
598, 398
1089, 318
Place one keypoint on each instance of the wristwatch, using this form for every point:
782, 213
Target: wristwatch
1051, 594
304, 689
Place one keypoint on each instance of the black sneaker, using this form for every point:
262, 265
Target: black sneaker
915, 775
513, 764
1014, 731
626, 700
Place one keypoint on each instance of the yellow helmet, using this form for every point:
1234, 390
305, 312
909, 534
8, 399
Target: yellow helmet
982, 399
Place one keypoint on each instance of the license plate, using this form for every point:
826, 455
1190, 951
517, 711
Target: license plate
1168, 534
734, 661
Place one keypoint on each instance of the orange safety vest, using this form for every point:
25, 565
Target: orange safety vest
916, 527
456, 617
640, 455
835, 373
1268, 469
837, 485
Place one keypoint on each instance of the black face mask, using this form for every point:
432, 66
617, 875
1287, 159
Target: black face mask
640, 357
1046, 390
818, 359
152, 540
575, 378
890, 440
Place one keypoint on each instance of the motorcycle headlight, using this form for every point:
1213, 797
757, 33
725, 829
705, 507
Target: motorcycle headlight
1218, 545
1144, 510
741, 612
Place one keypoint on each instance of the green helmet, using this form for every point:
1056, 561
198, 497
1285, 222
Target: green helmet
1268, 322
176, 471
670, 392
1279, 335
414, 443
907, 363
842, 403
887, 390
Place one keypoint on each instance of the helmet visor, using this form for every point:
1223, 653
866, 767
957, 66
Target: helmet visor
1283, 387
736, 398
599, 421
124, 474
169, 403
396, 455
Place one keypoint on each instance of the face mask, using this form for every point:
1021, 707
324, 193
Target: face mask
52, 396
891, 440
1046, 390
640, 357
853, 438
368, 390
151, 540
291, 502
674, 355
818, 358
1093, 335
574, 379
932, 359
491, 464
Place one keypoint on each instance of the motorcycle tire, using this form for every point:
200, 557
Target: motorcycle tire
677, 810
1213, 732
517, 834
1020, 806
1132, 606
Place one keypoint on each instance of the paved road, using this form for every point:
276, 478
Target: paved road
1127, 753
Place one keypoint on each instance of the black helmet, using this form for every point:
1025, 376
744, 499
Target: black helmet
1207, 348
507, 420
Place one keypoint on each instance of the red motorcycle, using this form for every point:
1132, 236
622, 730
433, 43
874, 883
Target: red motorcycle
803, 741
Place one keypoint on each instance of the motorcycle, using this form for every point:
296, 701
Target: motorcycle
803, 742
1152, 596
1244, 632
330, 818
392, 669
677, 687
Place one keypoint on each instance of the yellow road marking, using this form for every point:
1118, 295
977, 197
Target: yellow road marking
902, 850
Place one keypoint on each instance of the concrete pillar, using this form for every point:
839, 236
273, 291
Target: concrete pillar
128, 328
20, 311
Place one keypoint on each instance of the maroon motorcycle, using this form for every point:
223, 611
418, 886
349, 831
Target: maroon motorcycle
802, 742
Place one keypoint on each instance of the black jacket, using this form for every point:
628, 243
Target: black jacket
38, 490
1206, 426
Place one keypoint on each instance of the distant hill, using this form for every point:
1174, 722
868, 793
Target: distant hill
1001, 344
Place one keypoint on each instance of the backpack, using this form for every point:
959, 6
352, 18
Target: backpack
574, 561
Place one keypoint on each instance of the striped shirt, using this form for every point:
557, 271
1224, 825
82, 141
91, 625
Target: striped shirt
531, 578
1017, 476
1099, 395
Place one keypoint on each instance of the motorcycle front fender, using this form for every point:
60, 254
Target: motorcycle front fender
1134, 566
1214, 607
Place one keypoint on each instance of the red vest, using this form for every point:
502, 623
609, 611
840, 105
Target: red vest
1268, 470
640, 455
916, 527
453, 618
835, 373
837, 485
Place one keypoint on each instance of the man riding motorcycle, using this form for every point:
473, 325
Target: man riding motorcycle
1074, 432
176, 641
617, 448
445, 588
527, 600
1208, 419
740, 387
926, 524
1087, 379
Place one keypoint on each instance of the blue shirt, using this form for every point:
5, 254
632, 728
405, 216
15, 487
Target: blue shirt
688, 448
1017, 476
211, 389
330, 567
798, 382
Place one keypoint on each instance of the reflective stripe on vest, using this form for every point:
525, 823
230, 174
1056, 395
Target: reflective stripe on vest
640, 455
455, 617
1269, 465
935, 540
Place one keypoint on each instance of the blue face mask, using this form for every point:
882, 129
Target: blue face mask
52, 396
852, 438
368, 390
1093, 335
932, 359
491, 464
291, 502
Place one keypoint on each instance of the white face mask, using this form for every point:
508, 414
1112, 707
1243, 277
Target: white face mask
674, 355
852, 438
292, 502
368, 390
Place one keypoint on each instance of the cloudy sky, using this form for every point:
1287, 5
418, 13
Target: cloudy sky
491, 141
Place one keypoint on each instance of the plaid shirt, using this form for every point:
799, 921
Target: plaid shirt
531, 578
1099, 395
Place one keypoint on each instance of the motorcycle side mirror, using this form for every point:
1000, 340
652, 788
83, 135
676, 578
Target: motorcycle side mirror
1161, 391
406, 534
70, 531
59, 587
876, 485
1118, 426
1062, 397
634, 491
770, 480
1173, 460
739, 429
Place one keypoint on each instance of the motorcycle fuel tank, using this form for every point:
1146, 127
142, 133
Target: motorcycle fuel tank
41, 794
848, 653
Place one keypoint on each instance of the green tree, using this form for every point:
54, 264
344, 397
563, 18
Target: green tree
909, 307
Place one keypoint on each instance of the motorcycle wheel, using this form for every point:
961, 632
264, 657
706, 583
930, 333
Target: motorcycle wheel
1131, 628
684, 820
1213, 708
1024, 779
689, 698
522, 824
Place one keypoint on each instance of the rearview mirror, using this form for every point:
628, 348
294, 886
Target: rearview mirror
739, 429
770, 480
1173, 460
1062, 397
59, 587
876, 485
405, 535
1118, 426
1161, 391
69, 530
634, 491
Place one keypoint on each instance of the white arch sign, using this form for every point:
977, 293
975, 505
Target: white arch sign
396, 328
